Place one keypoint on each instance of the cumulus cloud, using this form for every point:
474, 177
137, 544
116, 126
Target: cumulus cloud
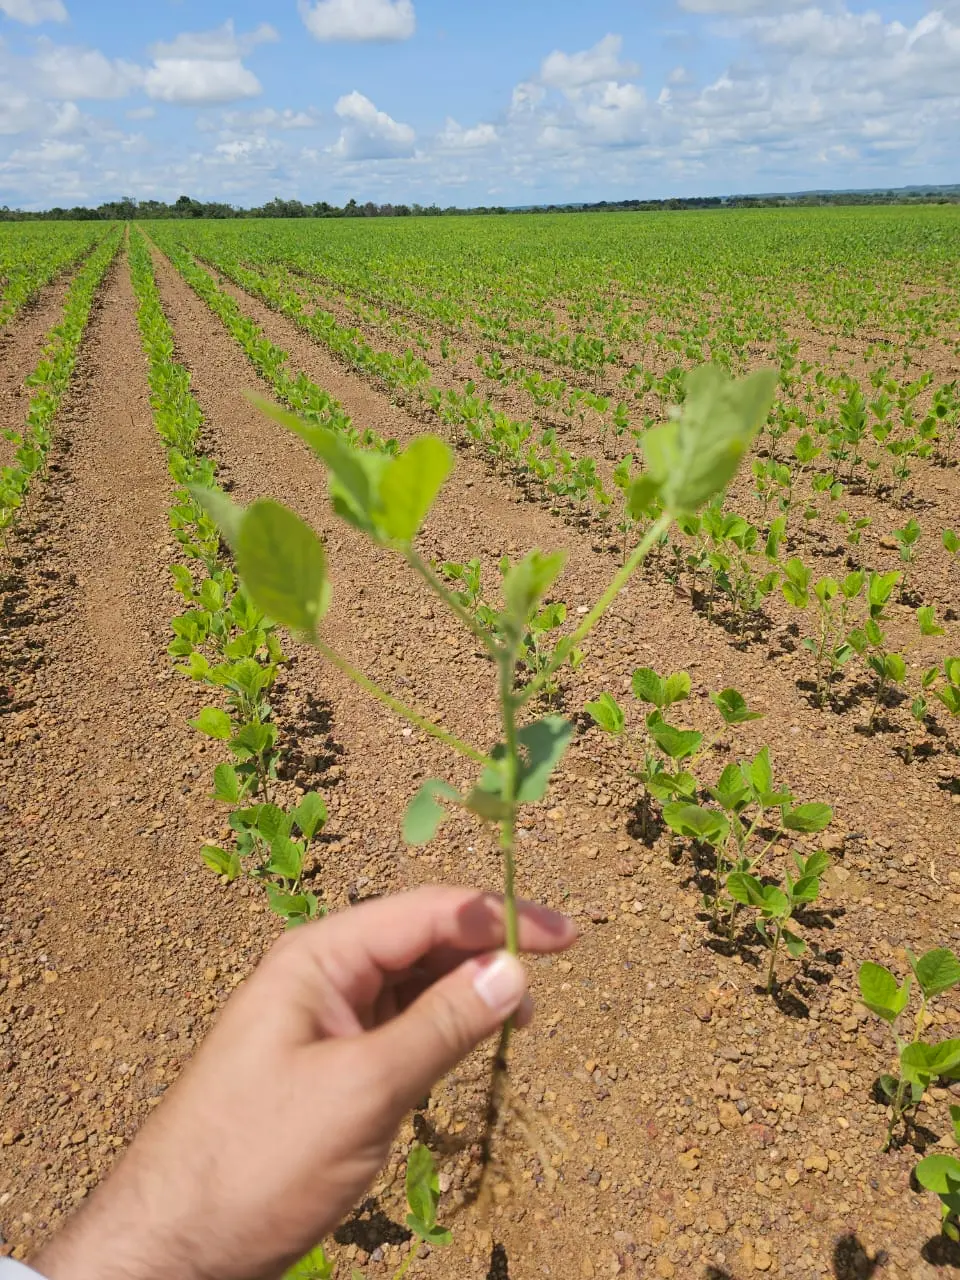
370, 134
359, 19
571, 71
68, 72
456, 138
33, 12
269, 118
199, 68
741, 6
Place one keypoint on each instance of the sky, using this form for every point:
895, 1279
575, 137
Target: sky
511, 102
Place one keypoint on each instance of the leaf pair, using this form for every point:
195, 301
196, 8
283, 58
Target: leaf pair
423, 1198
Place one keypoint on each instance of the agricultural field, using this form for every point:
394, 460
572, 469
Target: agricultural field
728, 698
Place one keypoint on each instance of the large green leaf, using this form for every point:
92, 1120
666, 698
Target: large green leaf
807, 817
410, 484
696, 822
310, 814
283, 566
678, 744
941, 1175
695, 457
607, 713
422, 1186
213, 722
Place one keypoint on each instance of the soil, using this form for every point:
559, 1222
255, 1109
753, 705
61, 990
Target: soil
683, 1124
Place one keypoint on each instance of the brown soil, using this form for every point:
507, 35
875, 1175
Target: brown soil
21, 345
687, 1122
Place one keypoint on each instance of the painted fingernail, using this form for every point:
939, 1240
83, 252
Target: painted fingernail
501, 983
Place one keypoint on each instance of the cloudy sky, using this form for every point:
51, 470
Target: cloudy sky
504, 101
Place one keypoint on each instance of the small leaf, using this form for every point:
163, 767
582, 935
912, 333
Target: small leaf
221, 862
424, 815
607, 713
937, 971
927, 618
881, 993
808, 817
745, 889
214, 723
697, 823
286, 858
543, 744
648, 687
310, 815
226, 784
732, 705
940, 1174
795, 946
283, 566
422, 1186
526, 583
678, 744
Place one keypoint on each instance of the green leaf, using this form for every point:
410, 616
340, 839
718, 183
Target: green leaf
731, 793
796, 947
214, 723
310, 814
807, 889
922, 1063
745, 889
927, 618
286, 858
816, 864
410, 484
226, 784
808, 817
424, 814
733, 707
941, 1175
955, 1118
268, 820
678, 744
937, 971
694, 457
225, 514
291, 906
881, 993
283, 566
676, 688
697, 823
648, 687
254, 740
543, 745
760, 772
315, 1266
526, 583
423, 1186
607, 713
221, 862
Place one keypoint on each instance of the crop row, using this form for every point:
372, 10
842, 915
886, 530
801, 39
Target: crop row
50, 380
33, 255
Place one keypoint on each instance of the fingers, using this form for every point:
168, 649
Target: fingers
363, 949
447, 1022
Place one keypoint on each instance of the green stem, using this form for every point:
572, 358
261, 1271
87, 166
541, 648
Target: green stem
408, 1261
620, 580
400, 708
772, 974
420, 566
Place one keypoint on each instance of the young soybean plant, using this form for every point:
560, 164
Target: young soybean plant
941, 1175
282, 564
775, 907
920, 1063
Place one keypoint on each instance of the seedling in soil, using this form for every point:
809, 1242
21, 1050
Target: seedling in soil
870, 642
941, 1175
921, 1063
775, 907
423, 1200
282, 564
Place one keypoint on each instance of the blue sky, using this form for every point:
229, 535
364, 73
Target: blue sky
508, 101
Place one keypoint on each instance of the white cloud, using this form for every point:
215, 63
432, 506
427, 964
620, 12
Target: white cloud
141, 113
268, 118
68, 72
33, 12
370, 134
571, 71
223, 43
456, 138
49, 153
741, 6
359, 19
200, 81
198, 68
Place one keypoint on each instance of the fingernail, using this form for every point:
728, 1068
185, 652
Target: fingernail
501, 983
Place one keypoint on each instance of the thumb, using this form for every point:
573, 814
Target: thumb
449, 1021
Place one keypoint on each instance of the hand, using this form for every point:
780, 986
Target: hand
288, 1112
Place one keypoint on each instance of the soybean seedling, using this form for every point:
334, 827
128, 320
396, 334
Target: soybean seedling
423, 1200
283, 566
920, 1063
775, 907
941, 1175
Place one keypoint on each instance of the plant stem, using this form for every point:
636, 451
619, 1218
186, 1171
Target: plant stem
620, 580
772, 973
408, 1261
400, 708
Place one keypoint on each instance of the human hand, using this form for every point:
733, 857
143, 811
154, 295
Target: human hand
288, 1112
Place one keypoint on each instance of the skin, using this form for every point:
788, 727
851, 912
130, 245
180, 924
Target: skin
288, 1112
